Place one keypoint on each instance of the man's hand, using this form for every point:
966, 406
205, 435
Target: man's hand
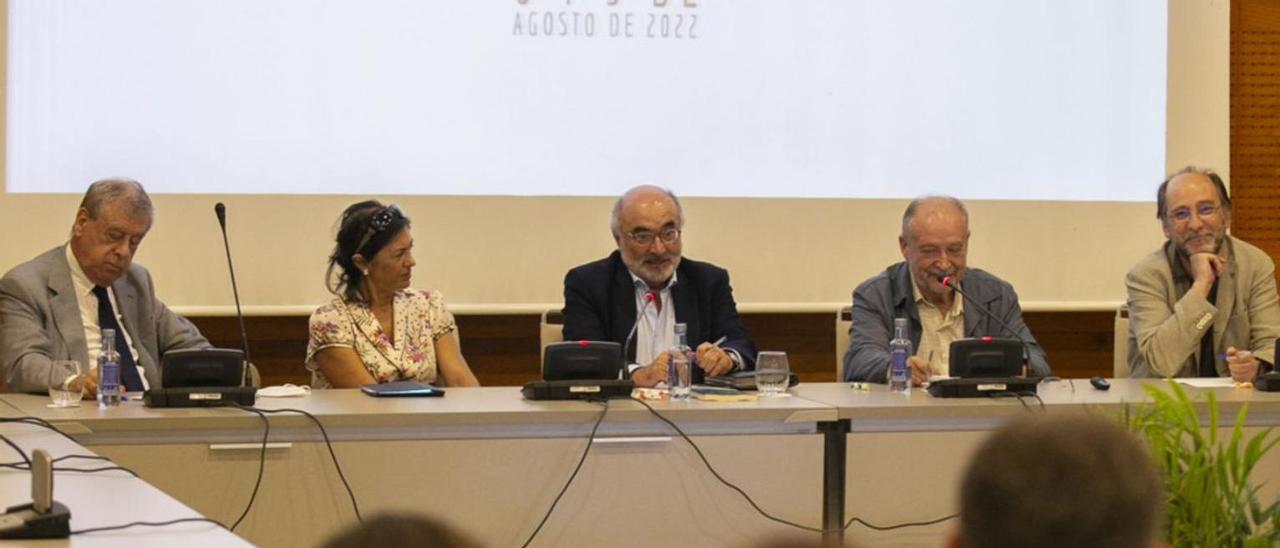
1205, 268
650, 375
919, 370
86, 383
1243, 364
713, 360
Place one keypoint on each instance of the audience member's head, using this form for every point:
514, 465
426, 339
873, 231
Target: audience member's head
934, 242
388, 530
1070, 481
113, 218
646, 225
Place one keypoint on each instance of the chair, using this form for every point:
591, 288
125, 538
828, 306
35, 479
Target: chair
844, 320
550, 330
1120, 348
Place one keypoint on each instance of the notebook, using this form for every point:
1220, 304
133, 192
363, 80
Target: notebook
402, 389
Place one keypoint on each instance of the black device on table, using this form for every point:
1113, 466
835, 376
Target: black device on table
580, 370
200, 377
985, 366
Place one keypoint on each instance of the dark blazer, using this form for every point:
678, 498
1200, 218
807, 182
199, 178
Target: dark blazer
889, 295
600, 305
40, 322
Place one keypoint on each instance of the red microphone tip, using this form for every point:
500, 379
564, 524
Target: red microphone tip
584, 343
987, 339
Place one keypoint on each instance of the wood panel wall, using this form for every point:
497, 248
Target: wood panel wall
1255, 122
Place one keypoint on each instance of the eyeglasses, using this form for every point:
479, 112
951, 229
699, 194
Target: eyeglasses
380, 222
645, 238
1183, 214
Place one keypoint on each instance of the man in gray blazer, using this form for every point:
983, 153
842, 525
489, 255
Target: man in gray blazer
1204, 304
53, 307
934, 242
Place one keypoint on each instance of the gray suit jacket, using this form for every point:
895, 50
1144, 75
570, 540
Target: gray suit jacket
1167, 320
888, 295
40, 322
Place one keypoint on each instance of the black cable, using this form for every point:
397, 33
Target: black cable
869, 525
26, 465
144, 524
36, 421
590, 440
726, 482
262, 464
766, 514
25, 459
329, 444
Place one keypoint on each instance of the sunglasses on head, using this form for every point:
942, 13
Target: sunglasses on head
380, 222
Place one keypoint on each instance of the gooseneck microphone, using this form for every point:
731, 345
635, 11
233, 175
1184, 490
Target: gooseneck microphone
649, 297
950, 281
221, 211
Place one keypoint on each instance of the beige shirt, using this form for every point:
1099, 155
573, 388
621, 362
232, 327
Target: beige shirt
937, 331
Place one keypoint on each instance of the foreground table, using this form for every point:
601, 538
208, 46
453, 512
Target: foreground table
101, 499
482, 459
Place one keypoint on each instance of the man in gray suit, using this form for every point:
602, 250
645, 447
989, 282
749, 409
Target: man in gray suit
1204, 304
55, 306
934, 242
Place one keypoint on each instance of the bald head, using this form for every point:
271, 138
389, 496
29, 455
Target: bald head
644, 197
935, 243
932, 209
647, 221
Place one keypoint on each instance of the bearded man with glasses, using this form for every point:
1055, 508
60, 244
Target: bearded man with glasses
648, 278
1204, 304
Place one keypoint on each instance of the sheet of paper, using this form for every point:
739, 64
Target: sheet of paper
1209, 382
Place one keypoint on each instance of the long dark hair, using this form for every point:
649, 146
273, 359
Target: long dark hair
358, 234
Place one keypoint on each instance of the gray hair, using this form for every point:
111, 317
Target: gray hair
910, 213
113, 189
615, 223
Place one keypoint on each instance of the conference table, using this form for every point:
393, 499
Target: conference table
484, 460
490, 463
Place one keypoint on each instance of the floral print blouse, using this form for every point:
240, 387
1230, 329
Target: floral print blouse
420, 319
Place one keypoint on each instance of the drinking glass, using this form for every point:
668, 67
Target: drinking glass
772, 373
59, 372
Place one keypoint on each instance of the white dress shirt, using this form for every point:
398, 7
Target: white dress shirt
656, 330
88, 303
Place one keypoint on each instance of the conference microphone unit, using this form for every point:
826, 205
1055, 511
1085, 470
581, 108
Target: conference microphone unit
221, 211
208, 376
978, 387
1270, 382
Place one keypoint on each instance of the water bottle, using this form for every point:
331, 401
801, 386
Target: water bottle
899, 353
679, 376
109, 389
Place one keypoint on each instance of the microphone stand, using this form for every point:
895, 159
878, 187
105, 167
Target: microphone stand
648, 300
950, 282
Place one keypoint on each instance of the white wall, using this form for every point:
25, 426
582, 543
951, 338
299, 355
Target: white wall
510, 254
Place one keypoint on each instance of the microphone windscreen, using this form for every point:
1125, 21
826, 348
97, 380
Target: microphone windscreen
221, 211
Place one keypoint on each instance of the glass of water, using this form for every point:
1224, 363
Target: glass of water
59, 372
772, 373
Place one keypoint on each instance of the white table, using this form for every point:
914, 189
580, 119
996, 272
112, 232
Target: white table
482, 459
102, 498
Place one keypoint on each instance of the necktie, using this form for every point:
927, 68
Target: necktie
107, 320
